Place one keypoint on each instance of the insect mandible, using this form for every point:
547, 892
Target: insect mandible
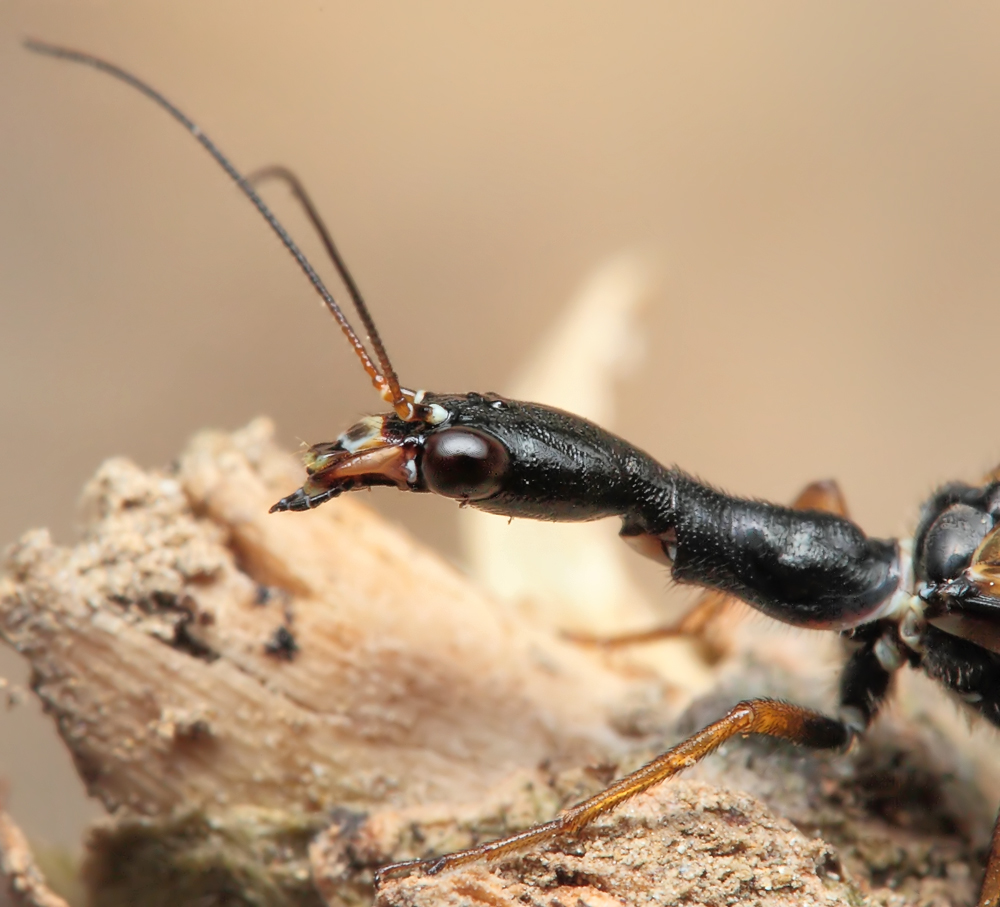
930, 602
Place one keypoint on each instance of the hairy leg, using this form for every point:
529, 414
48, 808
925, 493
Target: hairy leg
864, 684
756, 716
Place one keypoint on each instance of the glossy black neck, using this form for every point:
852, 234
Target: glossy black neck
807, 568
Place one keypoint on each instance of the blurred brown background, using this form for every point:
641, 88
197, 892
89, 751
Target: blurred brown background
818, 184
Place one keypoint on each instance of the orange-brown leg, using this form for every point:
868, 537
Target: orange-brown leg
825, 495
696, 623
756, 716
989, 894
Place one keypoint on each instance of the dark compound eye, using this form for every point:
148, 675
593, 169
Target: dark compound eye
464, 463
952, 540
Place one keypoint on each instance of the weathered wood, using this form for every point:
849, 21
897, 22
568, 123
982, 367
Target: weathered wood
274, 706
153, 644
25, 886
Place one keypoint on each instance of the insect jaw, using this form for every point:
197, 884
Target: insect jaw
371, 452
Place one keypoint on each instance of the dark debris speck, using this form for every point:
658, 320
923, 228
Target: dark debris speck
282, 644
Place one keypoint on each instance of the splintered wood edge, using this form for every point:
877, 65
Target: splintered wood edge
25, 882
155, 727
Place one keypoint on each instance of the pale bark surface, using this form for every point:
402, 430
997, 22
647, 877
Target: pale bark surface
150, 645
686, 843
25, 886
274, 706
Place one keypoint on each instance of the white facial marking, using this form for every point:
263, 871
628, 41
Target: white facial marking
361, 434
436, 415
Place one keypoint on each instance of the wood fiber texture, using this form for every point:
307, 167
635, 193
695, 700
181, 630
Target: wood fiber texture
271, 707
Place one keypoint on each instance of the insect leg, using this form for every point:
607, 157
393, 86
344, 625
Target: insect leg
972, 673
864, 684
964, 668
989, 895
875, 656
695, 624
756, 716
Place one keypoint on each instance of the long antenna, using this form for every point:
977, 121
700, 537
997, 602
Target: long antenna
278, 172
386, 384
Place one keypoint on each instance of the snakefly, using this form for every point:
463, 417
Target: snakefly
931, 602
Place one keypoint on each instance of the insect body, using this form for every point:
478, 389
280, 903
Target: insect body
932, 603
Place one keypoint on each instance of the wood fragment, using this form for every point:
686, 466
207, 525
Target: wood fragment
25, 884
149, 646
415, 715
151, 642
